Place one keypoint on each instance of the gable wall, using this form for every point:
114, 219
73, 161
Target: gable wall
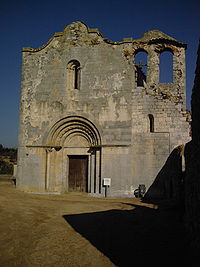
109, 98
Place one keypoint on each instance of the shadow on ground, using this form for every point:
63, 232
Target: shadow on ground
139, 237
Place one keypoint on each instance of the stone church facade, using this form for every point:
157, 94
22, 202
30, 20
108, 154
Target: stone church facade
89, 111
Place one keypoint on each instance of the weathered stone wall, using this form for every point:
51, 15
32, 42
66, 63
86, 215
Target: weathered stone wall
107, 101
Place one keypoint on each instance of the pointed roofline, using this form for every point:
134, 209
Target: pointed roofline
154, 36
150, 37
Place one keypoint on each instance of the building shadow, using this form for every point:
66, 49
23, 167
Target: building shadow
168, 186
146, 236
139, 237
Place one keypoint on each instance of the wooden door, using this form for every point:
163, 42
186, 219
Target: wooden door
78, 172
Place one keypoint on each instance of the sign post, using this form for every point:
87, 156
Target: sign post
106, 184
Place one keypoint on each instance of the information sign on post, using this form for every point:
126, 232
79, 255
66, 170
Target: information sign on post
106, 181
106, 184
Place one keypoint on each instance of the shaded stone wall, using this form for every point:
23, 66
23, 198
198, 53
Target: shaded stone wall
192, 176
107, 101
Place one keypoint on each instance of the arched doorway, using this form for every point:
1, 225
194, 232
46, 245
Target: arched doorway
77, 150
76, 156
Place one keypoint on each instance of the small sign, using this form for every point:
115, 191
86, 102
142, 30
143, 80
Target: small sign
106, 181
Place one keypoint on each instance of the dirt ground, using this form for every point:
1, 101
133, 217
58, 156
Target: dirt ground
76, 230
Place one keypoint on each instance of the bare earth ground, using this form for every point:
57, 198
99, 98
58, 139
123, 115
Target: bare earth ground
76, 230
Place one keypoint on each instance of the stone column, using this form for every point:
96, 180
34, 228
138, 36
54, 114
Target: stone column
89, 174
153, 67
100, 179
97, 170
48, 151
92, 172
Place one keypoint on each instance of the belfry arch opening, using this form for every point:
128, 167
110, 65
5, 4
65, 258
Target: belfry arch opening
141, 67
166, 66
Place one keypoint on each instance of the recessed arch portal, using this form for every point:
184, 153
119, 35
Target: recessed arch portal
79, 149
71, 126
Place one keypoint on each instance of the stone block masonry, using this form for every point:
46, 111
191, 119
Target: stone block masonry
85, 97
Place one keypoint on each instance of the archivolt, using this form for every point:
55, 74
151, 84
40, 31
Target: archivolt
71, 126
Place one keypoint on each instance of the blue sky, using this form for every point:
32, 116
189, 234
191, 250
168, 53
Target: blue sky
32, 23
